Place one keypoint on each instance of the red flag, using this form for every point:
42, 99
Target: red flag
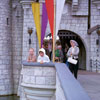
50, 12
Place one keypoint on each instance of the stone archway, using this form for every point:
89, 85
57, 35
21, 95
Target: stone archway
65, 37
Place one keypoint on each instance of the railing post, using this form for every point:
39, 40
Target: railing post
91, 64
96, 64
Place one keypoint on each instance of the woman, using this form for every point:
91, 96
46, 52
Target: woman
73, 52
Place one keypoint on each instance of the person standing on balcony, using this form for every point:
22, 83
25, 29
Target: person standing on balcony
42, 58
31, 57
73, 52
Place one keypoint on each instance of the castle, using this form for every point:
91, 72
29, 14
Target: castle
80, 21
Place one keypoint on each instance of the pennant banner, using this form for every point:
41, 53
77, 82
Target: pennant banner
50, 12
44, 22
36, 14
59, 10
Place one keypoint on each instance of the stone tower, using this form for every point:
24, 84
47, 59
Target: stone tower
6, 79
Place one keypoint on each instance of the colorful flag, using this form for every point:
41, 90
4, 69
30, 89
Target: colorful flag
36, 14
50, 12
44, 22
59, 10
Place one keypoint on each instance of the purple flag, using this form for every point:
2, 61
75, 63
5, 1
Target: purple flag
44, 22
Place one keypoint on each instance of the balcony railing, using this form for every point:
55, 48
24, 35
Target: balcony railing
49, 81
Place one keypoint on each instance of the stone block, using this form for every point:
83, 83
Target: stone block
32, 80
40, 80
5, 72
7, 81
2, 88
47, 71
1, 82
27, 79
28, 71
50, 80
38, 71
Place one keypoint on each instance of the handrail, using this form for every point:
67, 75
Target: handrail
50, 64
71, 87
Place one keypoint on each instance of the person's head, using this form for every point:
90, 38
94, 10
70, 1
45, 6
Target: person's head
43, 46
59, 47
31, 51
66, 45
41, 52
73, 43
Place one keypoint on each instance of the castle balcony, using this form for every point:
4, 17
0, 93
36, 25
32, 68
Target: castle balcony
49, 81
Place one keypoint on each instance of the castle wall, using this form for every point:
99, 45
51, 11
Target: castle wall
6, 79
73, 20
95, 20
14, 37
17, 33
28, 22
95, 48
77, 22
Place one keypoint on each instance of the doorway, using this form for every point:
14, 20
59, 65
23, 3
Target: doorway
65, 37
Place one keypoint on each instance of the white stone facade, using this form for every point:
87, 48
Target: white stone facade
16, 17
17, 29
41, 83
37, 82
6, 78
59, 95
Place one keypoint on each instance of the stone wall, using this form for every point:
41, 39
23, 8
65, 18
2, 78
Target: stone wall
77, 22
95, 14
49, 81
95, 52
17, 33
95, 20
37, 82
6, 79
59, 91
28, 22
14, 44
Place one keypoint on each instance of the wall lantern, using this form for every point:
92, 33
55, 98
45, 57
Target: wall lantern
30, 31
98, 31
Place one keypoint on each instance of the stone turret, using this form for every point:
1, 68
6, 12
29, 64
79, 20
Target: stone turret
6, 79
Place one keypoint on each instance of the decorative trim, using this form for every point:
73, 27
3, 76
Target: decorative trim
38, 86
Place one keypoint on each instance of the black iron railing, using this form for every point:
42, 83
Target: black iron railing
95, 64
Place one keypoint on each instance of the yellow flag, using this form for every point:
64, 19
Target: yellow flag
36, 14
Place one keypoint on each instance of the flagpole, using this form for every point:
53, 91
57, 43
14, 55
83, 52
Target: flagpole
54, 31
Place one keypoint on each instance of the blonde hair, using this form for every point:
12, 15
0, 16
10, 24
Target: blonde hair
31, 49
